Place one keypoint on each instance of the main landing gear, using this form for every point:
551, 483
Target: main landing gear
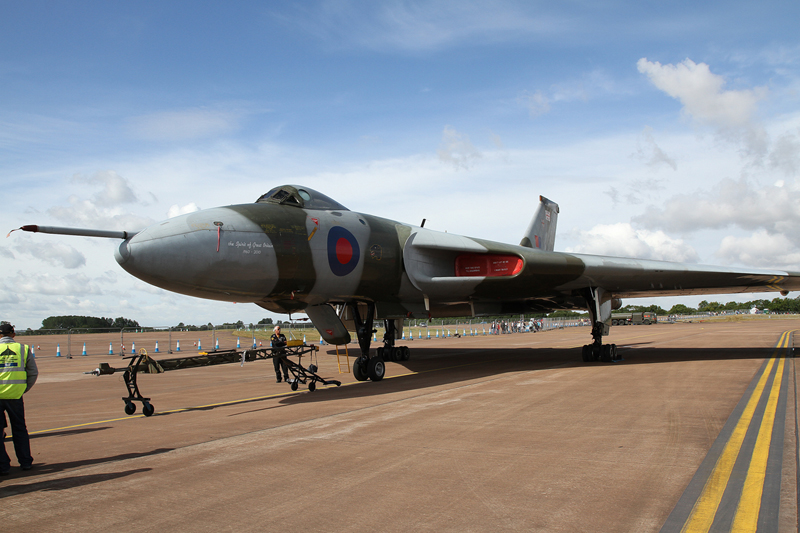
374, 368
600, 304
597, 351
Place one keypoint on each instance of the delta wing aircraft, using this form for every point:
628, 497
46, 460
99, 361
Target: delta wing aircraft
297, 250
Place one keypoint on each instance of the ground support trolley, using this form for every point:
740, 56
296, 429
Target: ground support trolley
142, 363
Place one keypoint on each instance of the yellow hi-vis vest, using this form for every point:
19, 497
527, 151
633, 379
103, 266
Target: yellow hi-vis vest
13, 377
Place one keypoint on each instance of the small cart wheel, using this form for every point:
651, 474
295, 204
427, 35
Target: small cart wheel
130, 408
148, 409
294, 385
312, 386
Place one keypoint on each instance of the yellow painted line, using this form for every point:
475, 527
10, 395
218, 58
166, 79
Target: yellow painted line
705, 508
747, 511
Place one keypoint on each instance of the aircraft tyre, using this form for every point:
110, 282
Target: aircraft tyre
360, 369
406, 353
397, 353
376, 368
586, 353
379, 351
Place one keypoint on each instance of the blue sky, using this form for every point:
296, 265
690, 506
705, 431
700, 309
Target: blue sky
663, 130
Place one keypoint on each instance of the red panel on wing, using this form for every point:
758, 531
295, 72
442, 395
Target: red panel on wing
487, 265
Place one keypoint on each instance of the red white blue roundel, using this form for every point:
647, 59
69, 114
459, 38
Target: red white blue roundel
343, 251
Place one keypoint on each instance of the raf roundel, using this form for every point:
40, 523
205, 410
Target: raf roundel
343, 251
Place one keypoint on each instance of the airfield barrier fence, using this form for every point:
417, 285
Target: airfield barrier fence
72, 342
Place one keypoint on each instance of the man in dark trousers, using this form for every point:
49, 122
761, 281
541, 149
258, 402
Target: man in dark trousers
278, 340
18, 373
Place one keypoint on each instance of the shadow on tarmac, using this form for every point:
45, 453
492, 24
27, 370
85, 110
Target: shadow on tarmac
436, 367
70, 482
63, 483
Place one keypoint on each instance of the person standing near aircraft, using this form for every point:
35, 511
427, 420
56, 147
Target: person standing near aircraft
18, 373
278, 340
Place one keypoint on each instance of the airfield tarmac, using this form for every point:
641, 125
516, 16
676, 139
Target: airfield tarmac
509, 432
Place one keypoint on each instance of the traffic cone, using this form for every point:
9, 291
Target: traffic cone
304, 339
58, 350
110, 349
238, 344
178, 346
84, 349
254, 343
217, 346
156, 346
199, 346
429, 334
437, 333
404, 334
133, 347
321, 340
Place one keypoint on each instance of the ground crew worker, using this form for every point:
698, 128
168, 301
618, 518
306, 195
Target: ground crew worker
18, 373
278, 340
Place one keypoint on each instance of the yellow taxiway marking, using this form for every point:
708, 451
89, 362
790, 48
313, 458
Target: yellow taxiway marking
705, 508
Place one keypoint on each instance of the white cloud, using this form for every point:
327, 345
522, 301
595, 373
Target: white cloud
457, 149
762, 249
175, 210
731, 112
104, 209
55, 253
738, 203
622, 240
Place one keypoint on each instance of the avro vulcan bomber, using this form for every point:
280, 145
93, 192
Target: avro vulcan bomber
296, 250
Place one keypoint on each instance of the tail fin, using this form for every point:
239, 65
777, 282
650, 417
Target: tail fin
541, 233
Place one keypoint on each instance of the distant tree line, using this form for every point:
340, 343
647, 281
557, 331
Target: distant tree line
776, 305
87, 322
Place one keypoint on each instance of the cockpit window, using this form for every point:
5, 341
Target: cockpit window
300, 197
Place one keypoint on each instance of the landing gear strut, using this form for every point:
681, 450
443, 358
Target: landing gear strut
365, 367
599, 310
374, 368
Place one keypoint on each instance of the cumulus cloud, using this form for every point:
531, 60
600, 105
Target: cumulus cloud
54, 253
732, 113
103, 209
623, 240
761, 249
184, 125
54, 284
775, 208
457, 149
175, 210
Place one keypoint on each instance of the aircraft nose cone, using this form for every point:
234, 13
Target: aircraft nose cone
202, 254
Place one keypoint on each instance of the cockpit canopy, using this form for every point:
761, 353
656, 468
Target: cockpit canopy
299, 196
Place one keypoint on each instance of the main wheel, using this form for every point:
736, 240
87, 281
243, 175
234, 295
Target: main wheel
376, 369
406, 353
397, 353
586, 353
606, 353
360, 369
148, 409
